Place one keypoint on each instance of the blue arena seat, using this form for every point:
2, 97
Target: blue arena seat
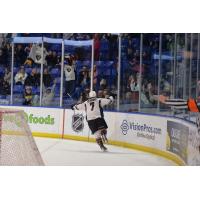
1, 71
18, 89
28, 70
3, 97
79, 64
87, 63
109, 63
55, 72
99, 63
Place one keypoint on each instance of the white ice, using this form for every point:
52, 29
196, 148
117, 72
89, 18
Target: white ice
58, 152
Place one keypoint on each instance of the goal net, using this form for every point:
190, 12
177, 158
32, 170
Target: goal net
17, 145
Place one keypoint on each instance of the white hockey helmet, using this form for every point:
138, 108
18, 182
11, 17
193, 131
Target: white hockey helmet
92, 94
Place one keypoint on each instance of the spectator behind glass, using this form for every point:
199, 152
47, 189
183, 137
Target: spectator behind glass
20, 55
95, 76
96, 46
84, 96
103, 84
21, 76
128, 98
47, 78
84, 77
5, 88
52, 59
33, 79
48, 95
28, 96
2, 57
106, 93
70, 76
132, 84
100, 94
7, 75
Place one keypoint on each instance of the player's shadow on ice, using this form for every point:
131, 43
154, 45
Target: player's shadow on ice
99, 151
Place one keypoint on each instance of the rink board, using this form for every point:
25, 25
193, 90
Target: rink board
172, 138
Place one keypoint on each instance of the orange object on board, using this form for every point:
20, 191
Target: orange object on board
192, 105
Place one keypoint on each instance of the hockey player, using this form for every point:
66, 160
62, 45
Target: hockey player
94, 116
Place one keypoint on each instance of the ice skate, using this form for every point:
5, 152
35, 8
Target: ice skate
103, 148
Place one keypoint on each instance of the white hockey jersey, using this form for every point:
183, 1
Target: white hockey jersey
94, 107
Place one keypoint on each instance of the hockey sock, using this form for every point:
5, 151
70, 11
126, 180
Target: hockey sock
100, 143
104, 135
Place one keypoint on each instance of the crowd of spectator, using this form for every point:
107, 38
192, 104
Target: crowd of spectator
77, 78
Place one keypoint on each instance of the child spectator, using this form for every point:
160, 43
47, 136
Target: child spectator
28, 96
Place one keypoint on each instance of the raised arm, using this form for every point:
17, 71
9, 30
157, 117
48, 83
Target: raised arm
80, 106
106, 101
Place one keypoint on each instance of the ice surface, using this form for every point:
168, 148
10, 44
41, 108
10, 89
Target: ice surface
59, 152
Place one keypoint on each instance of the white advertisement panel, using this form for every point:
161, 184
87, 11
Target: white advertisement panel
43, 120
141, 129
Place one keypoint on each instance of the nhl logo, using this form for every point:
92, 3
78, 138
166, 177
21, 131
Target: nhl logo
77, 122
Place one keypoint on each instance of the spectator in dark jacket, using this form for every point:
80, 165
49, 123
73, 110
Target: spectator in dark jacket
47, 78
33, 79
2, 57
20, 55
52, 59
28, 96
4, 87
84, 77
